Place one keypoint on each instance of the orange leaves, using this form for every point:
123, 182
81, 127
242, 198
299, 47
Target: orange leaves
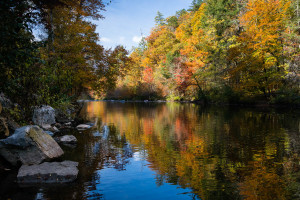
148, 75
261, 45
264, 23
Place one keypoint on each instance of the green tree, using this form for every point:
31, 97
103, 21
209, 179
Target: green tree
159, 19
195, 5
18, 51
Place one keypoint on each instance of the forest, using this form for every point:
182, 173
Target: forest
217, 51
64, 61
221, 51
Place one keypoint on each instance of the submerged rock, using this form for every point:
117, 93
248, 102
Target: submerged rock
29, 145
82, 127
55, 172
44, 115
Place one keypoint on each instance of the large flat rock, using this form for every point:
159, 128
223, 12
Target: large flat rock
49, 172
29, 145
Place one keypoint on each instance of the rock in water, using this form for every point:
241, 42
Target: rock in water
67, 139
83, 127
55, 172
48, 127
29, 145
44, 115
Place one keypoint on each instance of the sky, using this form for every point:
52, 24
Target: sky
127, 20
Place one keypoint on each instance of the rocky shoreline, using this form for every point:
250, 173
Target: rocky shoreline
34, 149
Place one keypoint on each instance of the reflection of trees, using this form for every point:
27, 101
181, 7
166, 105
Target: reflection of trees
262, 182
94, 151
218, 152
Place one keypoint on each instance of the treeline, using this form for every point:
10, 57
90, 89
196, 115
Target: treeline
65, 60
221, 51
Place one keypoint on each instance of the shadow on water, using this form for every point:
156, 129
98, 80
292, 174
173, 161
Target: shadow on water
178, 151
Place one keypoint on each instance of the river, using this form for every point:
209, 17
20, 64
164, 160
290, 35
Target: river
178, 151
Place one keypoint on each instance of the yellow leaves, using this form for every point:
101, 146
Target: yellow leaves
146, 62
264, 21
197, 20
270, 60
183, 32
258, 49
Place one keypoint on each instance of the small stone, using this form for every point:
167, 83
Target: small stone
54, 129
47, 172
48, 127
68, 124
67, 139
82, 127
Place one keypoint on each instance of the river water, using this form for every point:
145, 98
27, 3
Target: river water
178, 151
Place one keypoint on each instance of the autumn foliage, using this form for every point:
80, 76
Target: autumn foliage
222, 51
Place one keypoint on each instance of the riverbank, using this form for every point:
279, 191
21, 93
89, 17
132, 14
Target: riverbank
27, 145
238, 104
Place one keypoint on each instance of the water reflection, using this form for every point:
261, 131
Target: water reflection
179, 151
220, 153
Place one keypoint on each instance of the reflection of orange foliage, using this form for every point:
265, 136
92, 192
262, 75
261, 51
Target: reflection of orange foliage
191, 167
95, 109
262, 183
148, 126
179, 141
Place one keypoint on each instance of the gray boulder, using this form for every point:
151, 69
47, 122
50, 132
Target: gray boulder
55, 172
44, 115
29, 145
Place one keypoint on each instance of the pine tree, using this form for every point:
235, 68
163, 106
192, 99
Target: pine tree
159, 19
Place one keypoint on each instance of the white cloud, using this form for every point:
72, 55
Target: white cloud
136, 39
105, 39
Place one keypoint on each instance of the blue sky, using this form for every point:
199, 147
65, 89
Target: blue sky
126, 20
